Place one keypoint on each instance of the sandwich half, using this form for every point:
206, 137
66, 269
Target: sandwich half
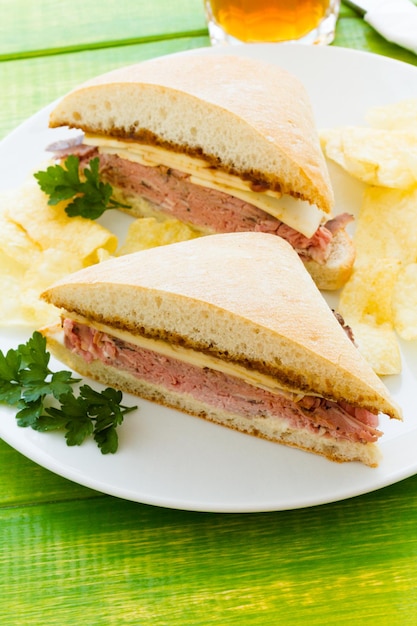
223, 143
230, 328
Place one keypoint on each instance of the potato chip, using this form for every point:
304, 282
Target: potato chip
379, 346
366, 306
387, 226
381, 296
15, 242
373, 155
368, 293
10, 277
17, 253
50, 265
20, 302
40, 244
50, 226
404, 302
147, 232
397, 116
11, 266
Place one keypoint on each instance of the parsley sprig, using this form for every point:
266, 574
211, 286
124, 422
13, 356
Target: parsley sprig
90, 196
27, 383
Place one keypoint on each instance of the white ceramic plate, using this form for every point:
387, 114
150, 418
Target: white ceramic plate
174, 460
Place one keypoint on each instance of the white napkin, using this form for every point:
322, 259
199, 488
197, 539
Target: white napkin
396, 20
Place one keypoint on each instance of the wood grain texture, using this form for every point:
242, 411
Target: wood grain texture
30, 28
29, 483
353, 32
115, 562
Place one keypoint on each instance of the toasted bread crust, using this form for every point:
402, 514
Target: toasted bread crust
244, 115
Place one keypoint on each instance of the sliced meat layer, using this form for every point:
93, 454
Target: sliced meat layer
173, 193
209, 209
220, 390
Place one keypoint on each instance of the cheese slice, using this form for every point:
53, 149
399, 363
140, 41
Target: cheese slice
298, 214
196, 358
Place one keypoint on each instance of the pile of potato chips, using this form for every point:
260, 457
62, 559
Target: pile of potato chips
40, 244
379, 302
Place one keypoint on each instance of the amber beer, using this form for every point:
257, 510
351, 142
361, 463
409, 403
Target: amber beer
255, 21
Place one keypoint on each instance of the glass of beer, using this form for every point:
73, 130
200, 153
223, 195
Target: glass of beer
257, 21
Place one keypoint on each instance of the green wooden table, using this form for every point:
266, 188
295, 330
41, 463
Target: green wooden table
69, 555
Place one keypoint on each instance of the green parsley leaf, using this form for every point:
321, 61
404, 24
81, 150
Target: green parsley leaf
78, 425
35, 385
30, 413
90, 196
108, 413
107, 440
34, 351
10, 392
47, 423
10, 365
10, 377
27, 383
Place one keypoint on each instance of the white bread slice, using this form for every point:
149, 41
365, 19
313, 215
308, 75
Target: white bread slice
245, 116
245, 296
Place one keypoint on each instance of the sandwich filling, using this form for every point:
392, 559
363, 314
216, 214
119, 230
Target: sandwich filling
201, 195
227, 387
